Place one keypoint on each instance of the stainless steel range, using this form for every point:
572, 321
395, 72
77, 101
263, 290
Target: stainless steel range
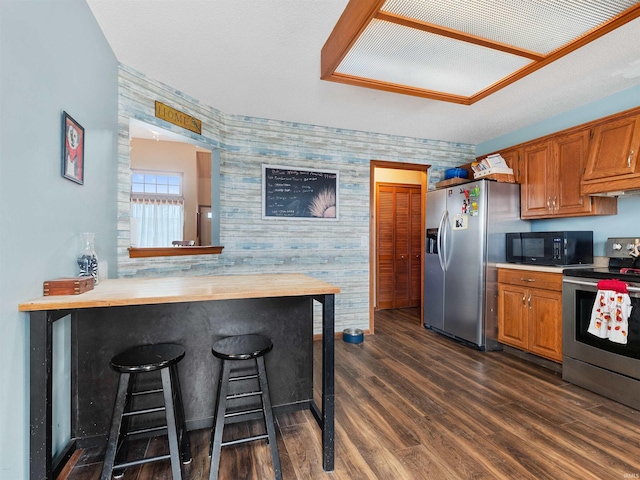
607, 367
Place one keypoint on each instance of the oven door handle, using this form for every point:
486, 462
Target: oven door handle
592, 284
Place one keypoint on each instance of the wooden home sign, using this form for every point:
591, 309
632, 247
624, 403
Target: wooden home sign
171, 115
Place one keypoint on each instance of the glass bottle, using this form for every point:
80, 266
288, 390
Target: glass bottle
87, 259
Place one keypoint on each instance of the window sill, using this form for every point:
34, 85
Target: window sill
135, 252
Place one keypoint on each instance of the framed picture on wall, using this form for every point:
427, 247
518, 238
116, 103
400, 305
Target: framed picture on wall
72, 149
299, 193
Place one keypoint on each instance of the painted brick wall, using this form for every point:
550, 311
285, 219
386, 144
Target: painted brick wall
336, 252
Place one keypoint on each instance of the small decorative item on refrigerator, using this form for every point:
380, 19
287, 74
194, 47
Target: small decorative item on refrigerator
87, 259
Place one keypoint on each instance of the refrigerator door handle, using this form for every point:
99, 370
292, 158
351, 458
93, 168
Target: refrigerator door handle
440, 240
447, 242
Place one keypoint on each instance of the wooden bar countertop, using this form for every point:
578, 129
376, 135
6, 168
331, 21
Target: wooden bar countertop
146, 291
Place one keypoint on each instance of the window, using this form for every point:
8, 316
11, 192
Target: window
156, 183
157, 208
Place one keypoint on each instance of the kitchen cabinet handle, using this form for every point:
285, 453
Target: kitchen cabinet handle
524, 299
554, 202
548, 203
629, 159
529, 301
527, 279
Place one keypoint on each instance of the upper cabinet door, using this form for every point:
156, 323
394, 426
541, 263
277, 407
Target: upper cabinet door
571, 157
614, 150
537, 188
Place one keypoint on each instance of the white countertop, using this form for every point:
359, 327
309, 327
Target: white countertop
542, 268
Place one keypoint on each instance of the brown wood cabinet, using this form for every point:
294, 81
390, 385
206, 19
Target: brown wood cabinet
399, 236
530, 311
513, 158
613, 163
551, 179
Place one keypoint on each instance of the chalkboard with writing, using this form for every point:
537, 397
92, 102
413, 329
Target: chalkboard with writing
289, 192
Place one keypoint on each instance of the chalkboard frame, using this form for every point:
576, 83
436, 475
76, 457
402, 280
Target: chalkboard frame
267, 194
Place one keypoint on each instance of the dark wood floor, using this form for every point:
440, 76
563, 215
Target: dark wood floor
412, 404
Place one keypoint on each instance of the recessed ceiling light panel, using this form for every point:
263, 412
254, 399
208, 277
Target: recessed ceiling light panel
397, 54
537, 25
461, 50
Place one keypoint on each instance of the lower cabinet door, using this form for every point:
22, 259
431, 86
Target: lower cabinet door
545, 323
513, 326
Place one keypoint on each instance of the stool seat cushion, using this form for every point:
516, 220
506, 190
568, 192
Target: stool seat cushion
242, 347
147, 358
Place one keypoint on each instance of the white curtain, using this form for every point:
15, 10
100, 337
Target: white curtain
159, 221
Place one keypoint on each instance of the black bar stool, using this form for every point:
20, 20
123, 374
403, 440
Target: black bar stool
229, 349
131, 363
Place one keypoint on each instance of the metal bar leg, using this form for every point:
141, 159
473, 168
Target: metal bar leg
268, 417
221, 403
183, 435
116, 424
328, 394
172, 428
40, 365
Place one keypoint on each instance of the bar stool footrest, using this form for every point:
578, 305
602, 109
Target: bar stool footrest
244, 412
140, 431
245, 440
141, 461
133, 413
244, 395
243, 377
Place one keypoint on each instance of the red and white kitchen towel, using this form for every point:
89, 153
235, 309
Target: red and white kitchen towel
611, 310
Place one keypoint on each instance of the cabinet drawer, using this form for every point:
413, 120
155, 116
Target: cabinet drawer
530, 278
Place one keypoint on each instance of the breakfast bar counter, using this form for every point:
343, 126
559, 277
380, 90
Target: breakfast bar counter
192, 311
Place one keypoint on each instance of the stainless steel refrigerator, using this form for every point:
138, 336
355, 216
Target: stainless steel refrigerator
466, 226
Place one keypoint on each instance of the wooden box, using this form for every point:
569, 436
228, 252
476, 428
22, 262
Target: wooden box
452, 181
68, 286
501, 177
499, 174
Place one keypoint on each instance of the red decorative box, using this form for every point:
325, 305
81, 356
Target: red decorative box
68, 286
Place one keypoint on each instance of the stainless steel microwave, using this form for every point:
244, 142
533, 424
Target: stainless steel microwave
550, 248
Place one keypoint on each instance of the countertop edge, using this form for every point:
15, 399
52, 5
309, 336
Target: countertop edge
539, 268
158, 290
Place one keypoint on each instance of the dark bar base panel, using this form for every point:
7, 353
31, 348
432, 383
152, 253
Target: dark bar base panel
100, 333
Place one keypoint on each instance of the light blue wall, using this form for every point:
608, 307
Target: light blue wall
625, 224
618, 102
336, 252
53, 57
627, 221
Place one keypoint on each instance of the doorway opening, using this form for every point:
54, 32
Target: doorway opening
396, 235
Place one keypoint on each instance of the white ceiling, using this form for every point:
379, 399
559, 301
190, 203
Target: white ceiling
261, 58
